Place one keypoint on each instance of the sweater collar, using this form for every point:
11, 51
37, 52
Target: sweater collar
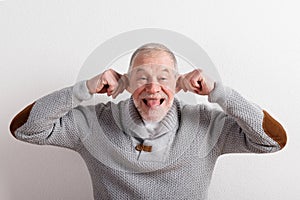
135, 127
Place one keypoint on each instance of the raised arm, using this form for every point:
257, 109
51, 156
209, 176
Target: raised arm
57, 118
51, 119
244, 126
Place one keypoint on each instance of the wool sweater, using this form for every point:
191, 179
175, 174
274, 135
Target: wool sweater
183, 151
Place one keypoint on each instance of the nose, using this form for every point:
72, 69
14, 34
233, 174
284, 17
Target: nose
153, 88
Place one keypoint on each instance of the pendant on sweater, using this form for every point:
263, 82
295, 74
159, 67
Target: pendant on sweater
142, 147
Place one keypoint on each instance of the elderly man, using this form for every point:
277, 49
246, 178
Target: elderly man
150, 146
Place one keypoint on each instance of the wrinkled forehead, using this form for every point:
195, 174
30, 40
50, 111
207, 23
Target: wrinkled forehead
153, 69
153, 57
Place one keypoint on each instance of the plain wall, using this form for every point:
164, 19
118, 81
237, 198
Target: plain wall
255, 46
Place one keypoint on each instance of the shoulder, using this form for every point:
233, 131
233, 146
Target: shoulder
202, 109
203, 113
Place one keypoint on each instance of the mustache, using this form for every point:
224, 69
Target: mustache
153, 96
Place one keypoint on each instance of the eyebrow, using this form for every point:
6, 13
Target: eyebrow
139, 69
166, 70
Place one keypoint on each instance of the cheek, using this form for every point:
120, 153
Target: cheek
137, 93
170, 93
170, 85
132, 86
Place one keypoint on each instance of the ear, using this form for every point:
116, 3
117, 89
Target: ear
178, 83
125, 77
129, 89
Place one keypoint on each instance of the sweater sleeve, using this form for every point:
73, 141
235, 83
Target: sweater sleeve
245, 126
53, 119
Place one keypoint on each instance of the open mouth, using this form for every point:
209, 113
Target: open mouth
153, 102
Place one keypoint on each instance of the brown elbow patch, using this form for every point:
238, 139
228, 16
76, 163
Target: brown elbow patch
274, 129
20, 119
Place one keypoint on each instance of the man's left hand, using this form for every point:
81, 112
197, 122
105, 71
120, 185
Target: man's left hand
196, 82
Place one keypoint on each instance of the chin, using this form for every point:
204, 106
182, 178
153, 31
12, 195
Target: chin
154, 114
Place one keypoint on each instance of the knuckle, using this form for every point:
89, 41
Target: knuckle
108, 71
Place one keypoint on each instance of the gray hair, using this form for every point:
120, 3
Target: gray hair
149, 48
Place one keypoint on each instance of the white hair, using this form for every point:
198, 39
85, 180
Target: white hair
148, 49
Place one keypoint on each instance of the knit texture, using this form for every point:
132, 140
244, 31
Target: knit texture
190, 140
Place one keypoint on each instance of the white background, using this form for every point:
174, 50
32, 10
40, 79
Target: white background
255, 46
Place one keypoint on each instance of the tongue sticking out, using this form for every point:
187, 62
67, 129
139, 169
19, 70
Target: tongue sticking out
153, 102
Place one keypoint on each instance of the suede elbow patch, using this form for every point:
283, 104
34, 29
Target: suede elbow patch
274, 129
20, 119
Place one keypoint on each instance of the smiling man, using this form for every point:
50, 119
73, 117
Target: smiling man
150, 146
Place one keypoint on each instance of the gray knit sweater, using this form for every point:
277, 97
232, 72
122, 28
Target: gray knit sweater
184, 151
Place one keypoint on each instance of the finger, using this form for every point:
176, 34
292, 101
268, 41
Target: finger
194, 86
197, 78
104, 89
200, 85
119, 89
206, 87
123, 83
114, 73
111, 88
109, 81
99, 85
196, 83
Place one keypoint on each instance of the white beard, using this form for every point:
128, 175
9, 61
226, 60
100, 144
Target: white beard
153, 115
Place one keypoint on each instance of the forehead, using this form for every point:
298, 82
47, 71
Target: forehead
153, 57
152, 69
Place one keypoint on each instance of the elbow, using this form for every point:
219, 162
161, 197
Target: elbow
274, 130
20, 119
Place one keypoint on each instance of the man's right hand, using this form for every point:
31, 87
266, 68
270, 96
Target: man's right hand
110, 82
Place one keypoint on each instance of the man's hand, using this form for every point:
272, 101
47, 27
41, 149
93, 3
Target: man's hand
110, 82
196, 82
